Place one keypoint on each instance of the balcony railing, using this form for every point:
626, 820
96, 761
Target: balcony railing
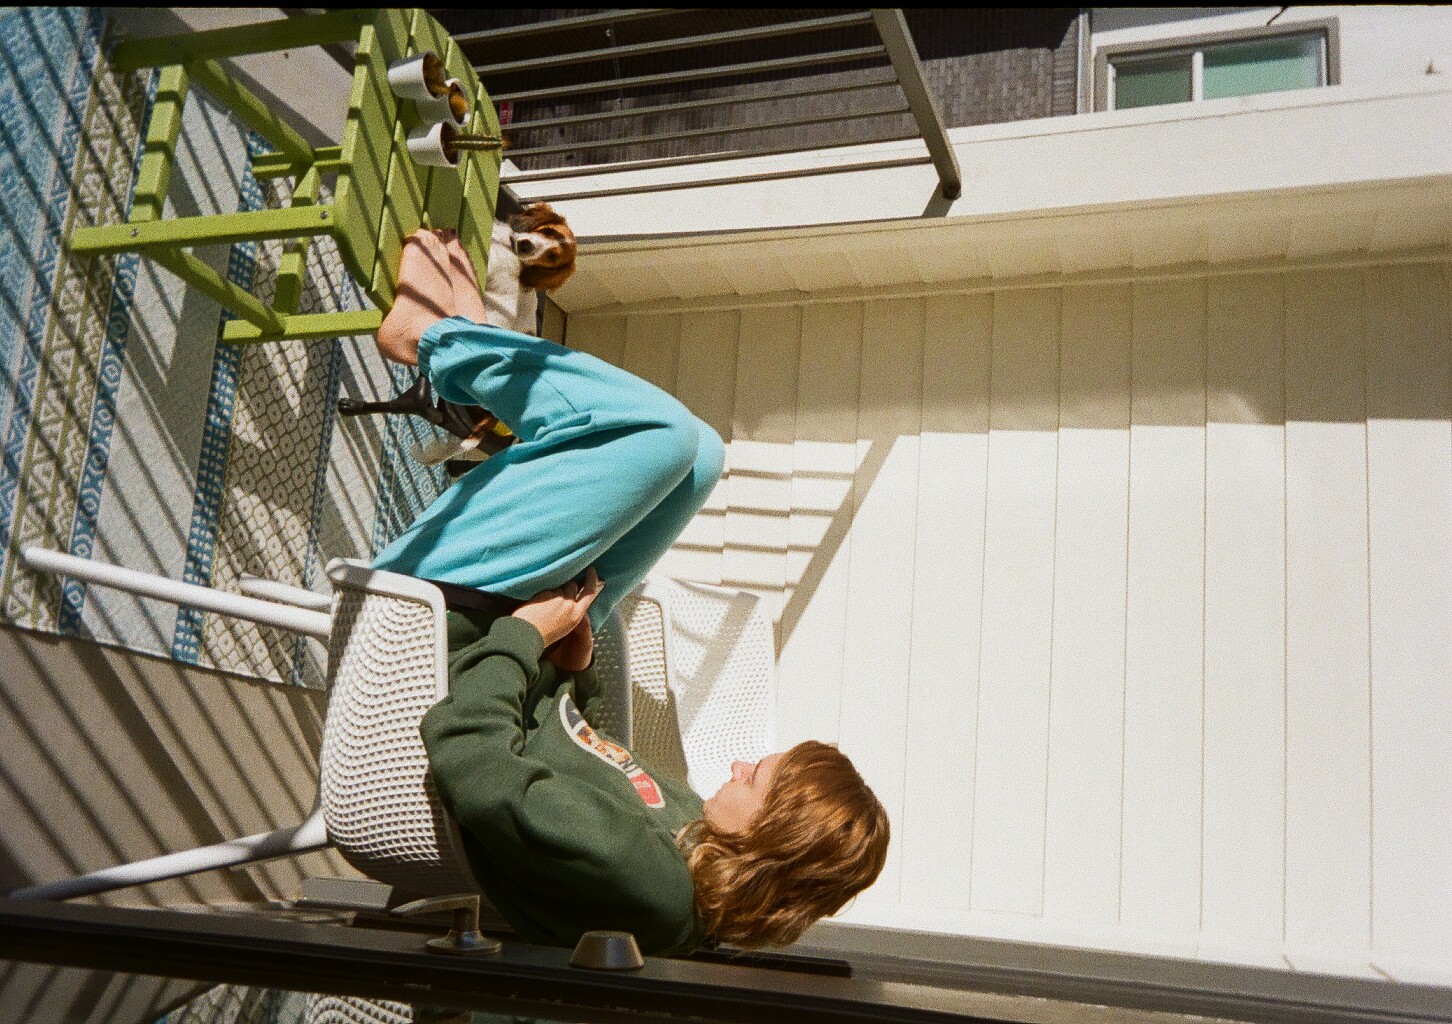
667, 90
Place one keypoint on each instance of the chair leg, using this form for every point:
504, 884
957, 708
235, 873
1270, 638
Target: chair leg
311, 835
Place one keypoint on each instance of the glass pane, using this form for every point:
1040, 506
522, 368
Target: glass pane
1150, 81
1266, 65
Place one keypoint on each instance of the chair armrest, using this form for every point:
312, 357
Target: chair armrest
271, 590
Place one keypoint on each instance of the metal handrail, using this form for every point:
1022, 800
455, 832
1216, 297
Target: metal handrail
540, 28
701, 133
896, 47
743, 35
723, 101
892, 27
735, 179
719, 71
676, 161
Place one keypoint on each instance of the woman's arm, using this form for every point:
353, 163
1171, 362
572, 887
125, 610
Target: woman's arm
557, 858
478, 730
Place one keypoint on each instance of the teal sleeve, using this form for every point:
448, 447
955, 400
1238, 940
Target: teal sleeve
452, 365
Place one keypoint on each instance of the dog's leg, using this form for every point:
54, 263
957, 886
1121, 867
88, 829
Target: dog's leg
459, 420
418, 400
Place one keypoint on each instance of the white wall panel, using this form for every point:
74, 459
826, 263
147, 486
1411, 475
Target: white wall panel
1018, 586
824, 461
936, 831
1086, 707
651, 351
1409, 455
878, 659
1164, 646
1245, 636
601, 336
706, 384
1328, 752
759, 489
652, 348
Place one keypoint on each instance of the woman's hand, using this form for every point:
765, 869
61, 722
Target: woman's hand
558, 613
573, 653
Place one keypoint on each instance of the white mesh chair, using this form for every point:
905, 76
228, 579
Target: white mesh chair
701, 679
697, 659
386, 666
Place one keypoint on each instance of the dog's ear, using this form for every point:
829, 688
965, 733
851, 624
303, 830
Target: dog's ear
548, 278
535, 216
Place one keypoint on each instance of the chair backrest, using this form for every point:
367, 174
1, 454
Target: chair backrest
701, 666
387, 665
615, 716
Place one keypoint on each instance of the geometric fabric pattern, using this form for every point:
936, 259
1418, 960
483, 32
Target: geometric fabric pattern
127, 432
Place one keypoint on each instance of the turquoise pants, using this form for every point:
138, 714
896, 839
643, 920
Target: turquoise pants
607, 471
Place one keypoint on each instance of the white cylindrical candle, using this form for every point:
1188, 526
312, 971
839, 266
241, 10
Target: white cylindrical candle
419, 78
427, 145
454, 105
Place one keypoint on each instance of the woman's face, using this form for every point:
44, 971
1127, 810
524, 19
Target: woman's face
737, 803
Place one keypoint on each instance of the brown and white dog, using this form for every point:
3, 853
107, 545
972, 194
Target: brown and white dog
533, 251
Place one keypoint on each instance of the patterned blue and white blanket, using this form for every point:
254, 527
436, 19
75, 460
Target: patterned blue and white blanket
129, 434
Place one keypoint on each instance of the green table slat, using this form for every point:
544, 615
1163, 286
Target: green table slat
409, 117
476, 220
403, 209
367, 143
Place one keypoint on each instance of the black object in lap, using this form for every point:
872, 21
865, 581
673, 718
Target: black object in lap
457, 598
419, 400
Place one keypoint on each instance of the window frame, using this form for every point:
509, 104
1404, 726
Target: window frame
1329, 28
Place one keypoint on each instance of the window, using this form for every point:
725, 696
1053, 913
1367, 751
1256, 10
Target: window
1214, 67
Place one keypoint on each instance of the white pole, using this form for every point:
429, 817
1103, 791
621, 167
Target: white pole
268, 613
312, 834
271, 590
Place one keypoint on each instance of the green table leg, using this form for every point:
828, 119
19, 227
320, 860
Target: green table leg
292, 270
192, 270
216, 229
284, 34
307, 326
327, 159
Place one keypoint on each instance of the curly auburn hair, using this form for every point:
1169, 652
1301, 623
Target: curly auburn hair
821, 838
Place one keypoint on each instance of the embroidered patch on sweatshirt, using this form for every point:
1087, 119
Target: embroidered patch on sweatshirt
611, 753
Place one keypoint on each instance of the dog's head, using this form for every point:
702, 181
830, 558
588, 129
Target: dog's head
545, 246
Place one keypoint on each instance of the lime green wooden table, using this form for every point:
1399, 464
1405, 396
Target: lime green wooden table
379, 196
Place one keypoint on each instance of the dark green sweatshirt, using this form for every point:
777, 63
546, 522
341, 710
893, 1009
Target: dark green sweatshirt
565, 830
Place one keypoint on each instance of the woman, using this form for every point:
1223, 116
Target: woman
564, 829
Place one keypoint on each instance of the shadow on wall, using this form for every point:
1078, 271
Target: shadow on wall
42, 994
113, 757
816, 399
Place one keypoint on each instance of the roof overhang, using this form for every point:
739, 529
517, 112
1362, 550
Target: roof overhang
1333, 175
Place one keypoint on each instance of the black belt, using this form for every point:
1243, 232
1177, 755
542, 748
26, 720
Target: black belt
457, 598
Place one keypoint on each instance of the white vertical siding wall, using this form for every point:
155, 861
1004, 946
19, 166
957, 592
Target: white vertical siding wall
1132, 601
